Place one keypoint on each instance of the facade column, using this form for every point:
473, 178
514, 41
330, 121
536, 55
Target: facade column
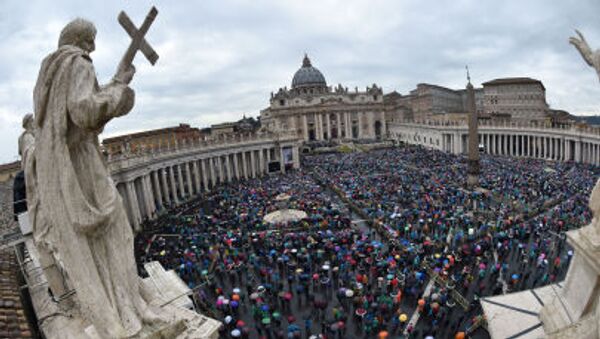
319, 118
261, 161
134, 205
158, 193
203, 163
371, 126
328, 124
338, 121
165, 186
360, 125
296, 156
383, 126
196, 176
349, 126
174, 185
305, 127
252, 164
281, 163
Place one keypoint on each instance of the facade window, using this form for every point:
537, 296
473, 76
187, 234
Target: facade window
281, 102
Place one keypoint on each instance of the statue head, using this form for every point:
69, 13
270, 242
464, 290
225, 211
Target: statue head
80, 33
28, 122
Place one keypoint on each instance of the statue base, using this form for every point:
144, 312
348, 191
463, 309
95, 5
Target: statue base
564, 310
62, 319
575, 310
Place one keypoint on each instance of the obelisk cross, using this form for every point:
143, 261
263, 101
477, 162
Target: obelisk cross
138, 41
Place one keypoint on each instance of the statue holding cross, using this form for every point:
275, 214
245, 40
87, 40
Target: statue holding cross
80, 216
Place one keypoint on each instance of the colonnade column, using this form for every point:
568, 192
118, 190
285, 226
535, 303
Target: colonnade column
165, 186
244, 166
173, 184
213, 176
252, 164
180, 181
220, 168
158, 193
328, 124
188, 178
149, 196
228, 168
348, 125
133, 205
203, 163
236, 165
197, 176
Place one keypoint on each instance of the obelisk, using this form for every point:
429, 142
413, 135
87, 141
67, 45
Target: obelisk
473, 140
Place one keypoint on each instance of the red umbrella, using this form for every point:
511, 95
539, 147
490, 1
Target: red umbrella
240, 323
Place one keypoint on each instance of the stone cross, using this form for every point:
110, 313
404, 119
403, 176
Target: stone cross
138, 41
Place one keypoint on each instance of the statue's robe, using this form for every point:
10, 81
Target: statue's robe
80, 211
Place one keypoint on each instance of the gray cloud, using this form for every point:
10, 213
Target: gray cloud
219, 60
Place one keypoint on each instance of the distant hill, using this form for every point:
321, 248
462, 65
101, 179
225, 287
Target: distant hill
591, 119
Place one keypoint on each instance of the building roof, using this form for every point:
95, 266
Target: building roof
160, 131
11, 166
13, 320
308, 76
512, 81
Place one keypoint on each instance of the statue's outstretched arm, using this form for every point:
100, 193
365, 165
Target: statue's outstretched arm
583, 47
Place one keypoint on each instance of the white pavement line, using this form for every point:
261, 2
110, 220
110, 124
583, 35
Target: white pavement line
416, 315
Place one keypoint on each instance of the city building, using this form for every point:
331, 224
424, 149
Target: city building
516, 99
318, 112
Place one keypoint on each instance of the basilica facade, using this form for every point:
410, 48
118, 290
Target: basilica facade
318, 112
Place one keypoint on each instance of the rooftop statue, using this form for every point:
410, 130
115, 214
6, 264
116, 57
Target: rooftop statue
80, 213
591, 57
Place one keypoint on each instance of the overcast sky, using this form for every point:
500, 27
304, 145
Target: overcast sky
221, 59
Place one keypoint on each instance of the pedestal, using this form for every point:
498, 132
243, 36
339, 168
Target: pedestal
574, 312
63, 320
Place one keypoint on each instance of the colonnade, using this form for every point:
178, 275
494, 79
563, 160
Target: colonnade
168, 183
558, 144
339, 125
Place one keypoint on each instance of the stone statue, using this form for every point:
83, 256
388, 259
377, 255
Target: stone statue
54, 277
591, 57
81, 214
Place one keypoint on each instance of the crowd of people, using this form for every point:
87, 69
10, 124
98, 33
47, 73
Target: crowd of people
404, 237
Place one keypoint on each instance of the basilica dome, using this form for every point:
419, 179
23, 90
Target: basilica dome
308, 76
